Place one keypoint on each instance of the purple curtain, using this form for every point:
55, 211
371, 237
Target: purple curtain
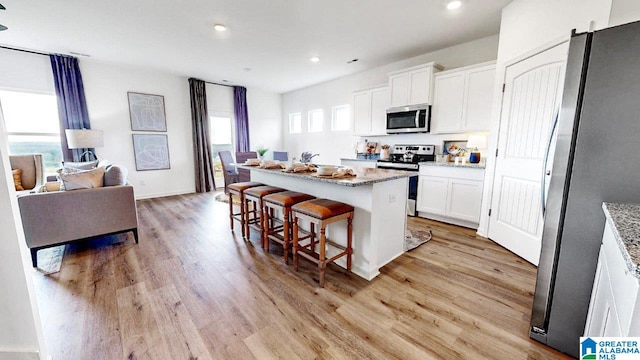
242, 118
72, 105
203, 160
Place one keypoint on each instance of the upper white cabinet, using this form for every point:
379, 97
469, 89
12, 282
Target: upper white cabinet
370, 111
463, 99
412, 86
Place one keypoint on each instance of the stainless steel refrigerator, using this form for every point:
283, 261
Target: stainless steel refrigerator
597, 159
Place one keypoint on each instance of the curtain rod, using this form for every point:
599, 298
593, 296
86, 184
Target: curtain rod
23, 50
213, 83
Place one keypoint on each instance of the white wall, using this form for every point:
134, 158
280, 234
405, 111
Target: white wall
106, 87
333, 146
20, 329
265, 120
527, 25
624, 11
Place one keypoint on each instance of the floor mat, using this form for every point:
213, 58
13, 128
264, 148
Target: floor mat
416, 237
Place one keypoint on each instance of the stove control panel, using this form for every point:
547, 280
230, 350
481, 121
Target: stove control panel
415, 149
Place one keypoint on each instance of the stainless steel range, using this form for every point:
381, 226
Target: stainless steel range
408, 157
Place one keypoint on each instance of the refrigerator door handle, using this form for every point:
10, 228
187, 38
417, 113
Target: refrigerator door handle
545, 172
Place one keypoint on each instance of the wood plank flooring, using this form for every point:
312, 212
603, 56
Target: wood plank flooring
192, 289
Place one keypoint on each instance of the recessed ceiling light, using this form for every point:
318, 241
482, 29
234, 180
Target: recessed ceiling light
452, 5
220, 27
315, 59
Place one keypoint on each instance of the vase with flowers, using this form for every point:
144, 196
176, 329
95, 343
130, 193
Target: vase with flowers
261, 150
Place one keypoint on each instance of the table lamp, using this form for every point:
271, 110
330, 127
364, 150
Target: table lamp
84, 139
473, 143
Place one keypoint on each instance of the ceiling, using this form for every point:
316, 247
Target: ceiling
273, 38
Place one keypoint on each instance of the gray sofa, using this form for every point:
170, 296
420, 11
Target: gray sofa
60, 217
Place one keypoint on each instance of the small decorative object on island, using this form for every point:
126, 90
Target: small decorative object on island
261, 150
384, 153
453, 148
475, 142
306, 157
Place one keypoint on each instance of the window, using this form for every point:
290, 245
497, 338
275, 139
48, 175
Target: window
295, 123
221, 140
316, 118
341, 118
33, 126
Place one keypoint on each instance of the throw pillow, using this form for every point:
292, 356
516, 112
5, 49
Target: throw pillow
17, 179
50, 186
87, 179
115, 175
85, 165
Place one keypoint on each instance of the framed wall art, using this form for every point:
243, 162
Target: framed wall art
147, 112
151, 151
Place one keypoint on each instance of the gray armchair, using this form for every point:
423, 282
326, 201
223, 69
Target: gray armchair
32, 167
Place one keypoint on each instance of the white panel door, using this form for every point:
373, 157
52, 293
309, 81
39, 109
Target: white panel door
432, 194
531, 98
448, 100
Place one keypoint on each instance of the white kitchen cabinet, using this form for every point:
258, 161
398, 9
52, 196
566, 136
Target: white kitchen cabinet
463, 99
450, 194
412, 86
359, 163
614, 309
369, 111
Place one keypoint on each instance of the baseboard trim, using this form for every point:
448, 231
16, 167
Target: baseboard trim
157, 195
19, 355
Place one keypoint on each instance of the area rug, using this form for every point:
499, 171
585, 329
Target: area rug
416, 237
225, 199
50, 259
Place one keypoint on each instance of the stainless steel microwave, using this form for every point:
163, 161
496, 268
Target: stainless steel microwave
409, 119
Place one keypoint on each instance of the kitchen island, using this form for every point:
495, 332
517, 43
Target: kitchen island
379, 198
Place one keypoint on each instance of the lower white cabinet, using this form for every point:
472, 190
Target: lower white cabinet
614, 309
359, 163
450, 194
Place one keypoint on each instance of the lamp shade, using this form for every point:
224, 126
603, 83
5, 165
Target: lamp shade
84, 138
477, 142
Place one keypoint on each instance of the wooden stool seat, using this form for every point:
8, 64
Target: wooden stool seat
238, 189
281, 234
242, 186
254, 217
323, 209
321, 212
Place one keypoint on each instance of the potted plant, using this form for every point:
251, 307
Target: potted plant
261, 150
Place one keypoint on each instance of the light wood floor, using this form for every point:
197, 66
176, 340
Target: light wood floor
193, 290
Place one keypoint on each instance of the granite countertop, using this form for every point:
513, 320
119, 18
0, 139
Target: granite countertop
364, 176
451, 164
625, 222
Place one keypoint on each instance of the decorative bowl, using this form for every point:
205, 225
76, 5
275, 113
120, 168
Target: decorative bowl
326, 170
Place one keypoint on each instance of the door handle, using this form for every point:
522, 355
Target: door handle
417, 119
545, 171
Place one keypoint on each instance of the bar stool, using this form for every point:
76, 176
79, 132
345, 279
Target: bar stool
238, 190
254, 218
281, 234
321, 212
